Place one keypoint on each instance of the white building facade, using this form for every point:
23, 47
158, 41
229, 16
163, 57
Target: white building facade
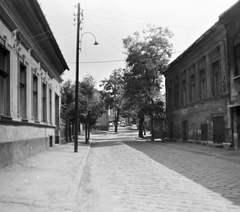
31, 65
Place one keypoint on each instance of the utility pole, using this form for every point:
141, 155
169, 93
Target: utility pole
77, 79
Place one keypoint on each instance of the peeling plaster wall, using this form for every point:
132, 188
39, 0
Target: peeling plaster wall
207, 49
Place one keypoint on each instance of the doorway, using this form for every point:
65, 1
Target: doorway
185, 130
204, 132
218, 129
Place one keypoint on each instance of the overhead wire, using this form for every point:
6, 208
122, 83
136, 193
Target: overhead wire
138, 15
102, 61
127, 21
104, 30
106, 39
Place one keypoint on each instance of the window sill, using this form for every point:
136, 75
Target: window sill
3, 117
24, 120
11, 122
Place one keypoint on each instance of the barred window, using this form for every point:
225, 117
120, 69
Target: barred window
35, 97
4, 82
23, 91
44, 102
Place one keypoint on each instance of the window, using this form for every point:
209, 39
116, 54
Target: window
50, 105
44, 102
170, 95
184, 93
192, 89
237, 58
176, 93
202, 84
35, 97
170, 98
4, 82
216, 78
23, 91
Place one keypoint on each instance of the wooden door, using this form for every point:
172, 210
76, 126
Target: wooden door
218, 129
185, 130
204, 132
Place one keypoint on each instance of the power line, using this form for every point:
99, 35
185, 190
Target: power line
127, 21
107, 61
138, 15
107, 40
103, 30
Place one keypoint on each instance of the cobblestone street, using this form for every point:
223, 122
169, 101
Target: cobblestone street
124, 174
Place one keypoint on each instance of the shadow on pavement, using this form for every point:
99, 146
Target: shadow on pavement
218, 175
104, 144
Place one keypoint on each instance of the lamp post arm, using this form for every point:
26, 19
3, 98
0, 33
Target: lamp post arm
95, 43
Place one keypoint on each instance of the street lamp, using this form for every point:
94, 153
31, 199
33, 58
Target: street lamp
77, 77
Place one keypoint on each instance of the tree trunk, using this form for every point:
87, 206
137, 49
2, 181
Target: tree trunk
89, 129
67, 132
115, 127
152, 131
73, 130
86, 133
144, 128
140, 130
116, 120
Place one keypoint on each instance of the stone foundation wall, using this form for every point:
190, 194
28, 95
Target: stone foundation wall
12, 152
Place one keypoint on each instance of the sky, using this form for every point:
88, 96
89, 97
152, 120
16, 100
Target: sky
110, 21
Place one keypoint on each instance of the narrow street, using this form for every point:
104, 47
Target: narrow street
125, 174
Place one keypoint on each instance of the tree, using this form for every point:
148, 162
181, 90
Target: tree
67, 105
147, 57
113, 93
91, 105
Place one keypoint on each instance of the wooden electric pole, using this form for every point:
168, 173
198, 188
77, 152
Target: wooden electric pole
76, 86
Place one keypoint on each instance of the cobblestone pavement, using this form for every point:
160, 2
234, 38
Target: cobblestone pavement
133, 176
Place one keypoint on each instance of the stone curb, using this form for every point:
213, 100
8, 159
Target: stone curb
80, 171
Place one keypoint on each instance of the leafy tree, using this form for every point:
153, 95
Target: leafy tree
147, 56
91, 105
113, 93
67, 105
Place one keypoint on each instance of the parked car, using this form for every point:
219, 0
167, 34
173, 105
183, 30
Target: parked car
134, 127
123, 124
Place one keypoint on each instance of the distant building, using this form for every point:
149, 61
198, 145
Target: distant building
103, 122
31, 65
197, 90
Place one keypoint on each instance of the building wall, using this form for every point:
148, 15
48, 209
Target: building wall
103, 122
231, 20
28, 129
197, 91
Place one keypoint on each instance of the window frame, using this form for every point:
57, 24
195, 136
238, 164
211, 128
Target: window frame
22, 90
35, 97
202, 84
44, 102
192, 88
5, 82
216, 79
237, 60
50, 105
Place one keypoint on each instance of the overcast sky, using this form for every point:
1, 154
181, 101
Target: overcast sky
112, 20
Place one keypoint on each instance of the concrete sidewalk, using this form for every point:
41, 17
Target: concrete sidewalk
45, 182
